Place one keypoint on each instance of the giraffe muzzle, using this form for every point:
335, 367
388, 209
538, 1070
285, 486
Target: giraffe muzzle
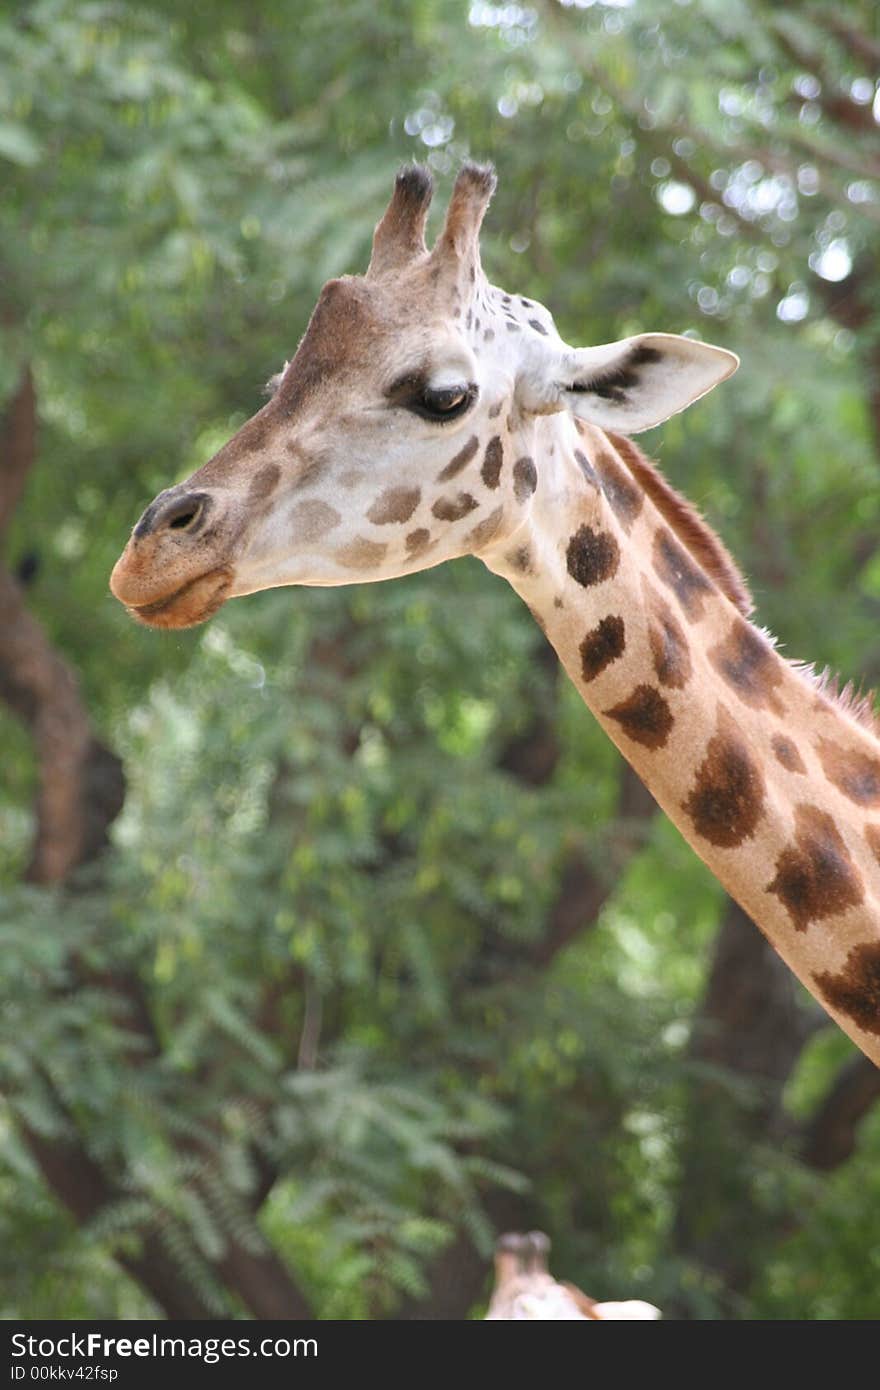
175, 571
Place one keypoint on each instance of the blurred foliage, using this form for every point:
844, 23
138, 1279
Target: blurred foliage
322, 876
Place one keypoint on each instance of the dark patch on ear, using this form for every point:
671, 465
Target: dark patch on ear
726, 801
670, 650
625, 497
855, 990
872, 835
525, 479
453, 508
853, 772
815, 876
417, 540
601, 646
394, 504
485, 529
613, 383
787, 754
538, 327
491, 470
644, 716
677, 570
749, 665
461, 460
592, 556
587, 469
264, 482
520, 559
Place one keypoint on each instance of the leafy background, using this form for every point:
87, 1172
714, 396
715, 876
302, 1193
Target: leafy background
388, 951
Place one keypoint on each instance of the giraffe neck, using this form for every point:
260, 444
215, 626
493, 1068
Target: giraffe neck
775, 785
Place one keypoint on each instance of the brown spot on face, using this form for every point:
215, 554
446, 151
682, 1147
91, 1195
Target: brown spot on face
495, 410
727, 799
592, 556
525, 479
264, 482
855, 991
787, 753
749, 666
417, 540
520, 559
461, 460
491, 470
394, 504
815, 876
311, 519
678, 572
670, 651
601, 646
558, 603
872, 835
453, 508
853, 772
644, 716
351, 477
485, 529
625, 498
361, 554
311, 464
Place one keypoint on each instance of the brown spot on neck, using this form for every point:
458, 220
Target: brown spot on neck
592, 556
687, 523
852, 771
787, 754
644, 716
872, 835
749, 665
815, 875
726, 801
675, 567
602, 645
670, 651
624, 497
855, 990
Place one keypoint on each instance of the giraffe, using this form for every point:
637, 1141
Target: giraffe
524, 1289
427, 414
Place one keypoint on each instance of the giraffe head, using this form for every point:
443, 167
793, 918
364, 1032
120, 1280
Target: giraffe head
401, 434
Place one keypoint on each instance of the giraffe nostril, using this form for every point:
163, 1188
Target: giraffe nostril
179, 523
183, 513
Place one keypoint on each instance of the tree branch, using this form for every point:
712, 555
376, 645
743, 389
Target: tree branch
830, 1137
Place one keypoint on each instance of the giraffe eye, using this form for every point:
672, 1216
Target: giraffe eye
444, 403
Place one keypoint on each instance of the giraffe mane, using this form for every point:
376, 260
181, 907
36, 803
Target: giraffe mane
687, 523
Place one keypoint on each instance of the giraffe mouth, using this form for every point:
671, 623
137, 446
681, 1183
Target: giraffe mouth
194, 602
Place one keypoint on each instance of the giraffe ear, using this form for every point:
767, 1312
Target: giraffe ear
639, 382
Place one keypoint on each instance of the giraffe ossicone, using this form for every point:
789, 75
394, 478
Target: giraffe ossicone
427, 414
